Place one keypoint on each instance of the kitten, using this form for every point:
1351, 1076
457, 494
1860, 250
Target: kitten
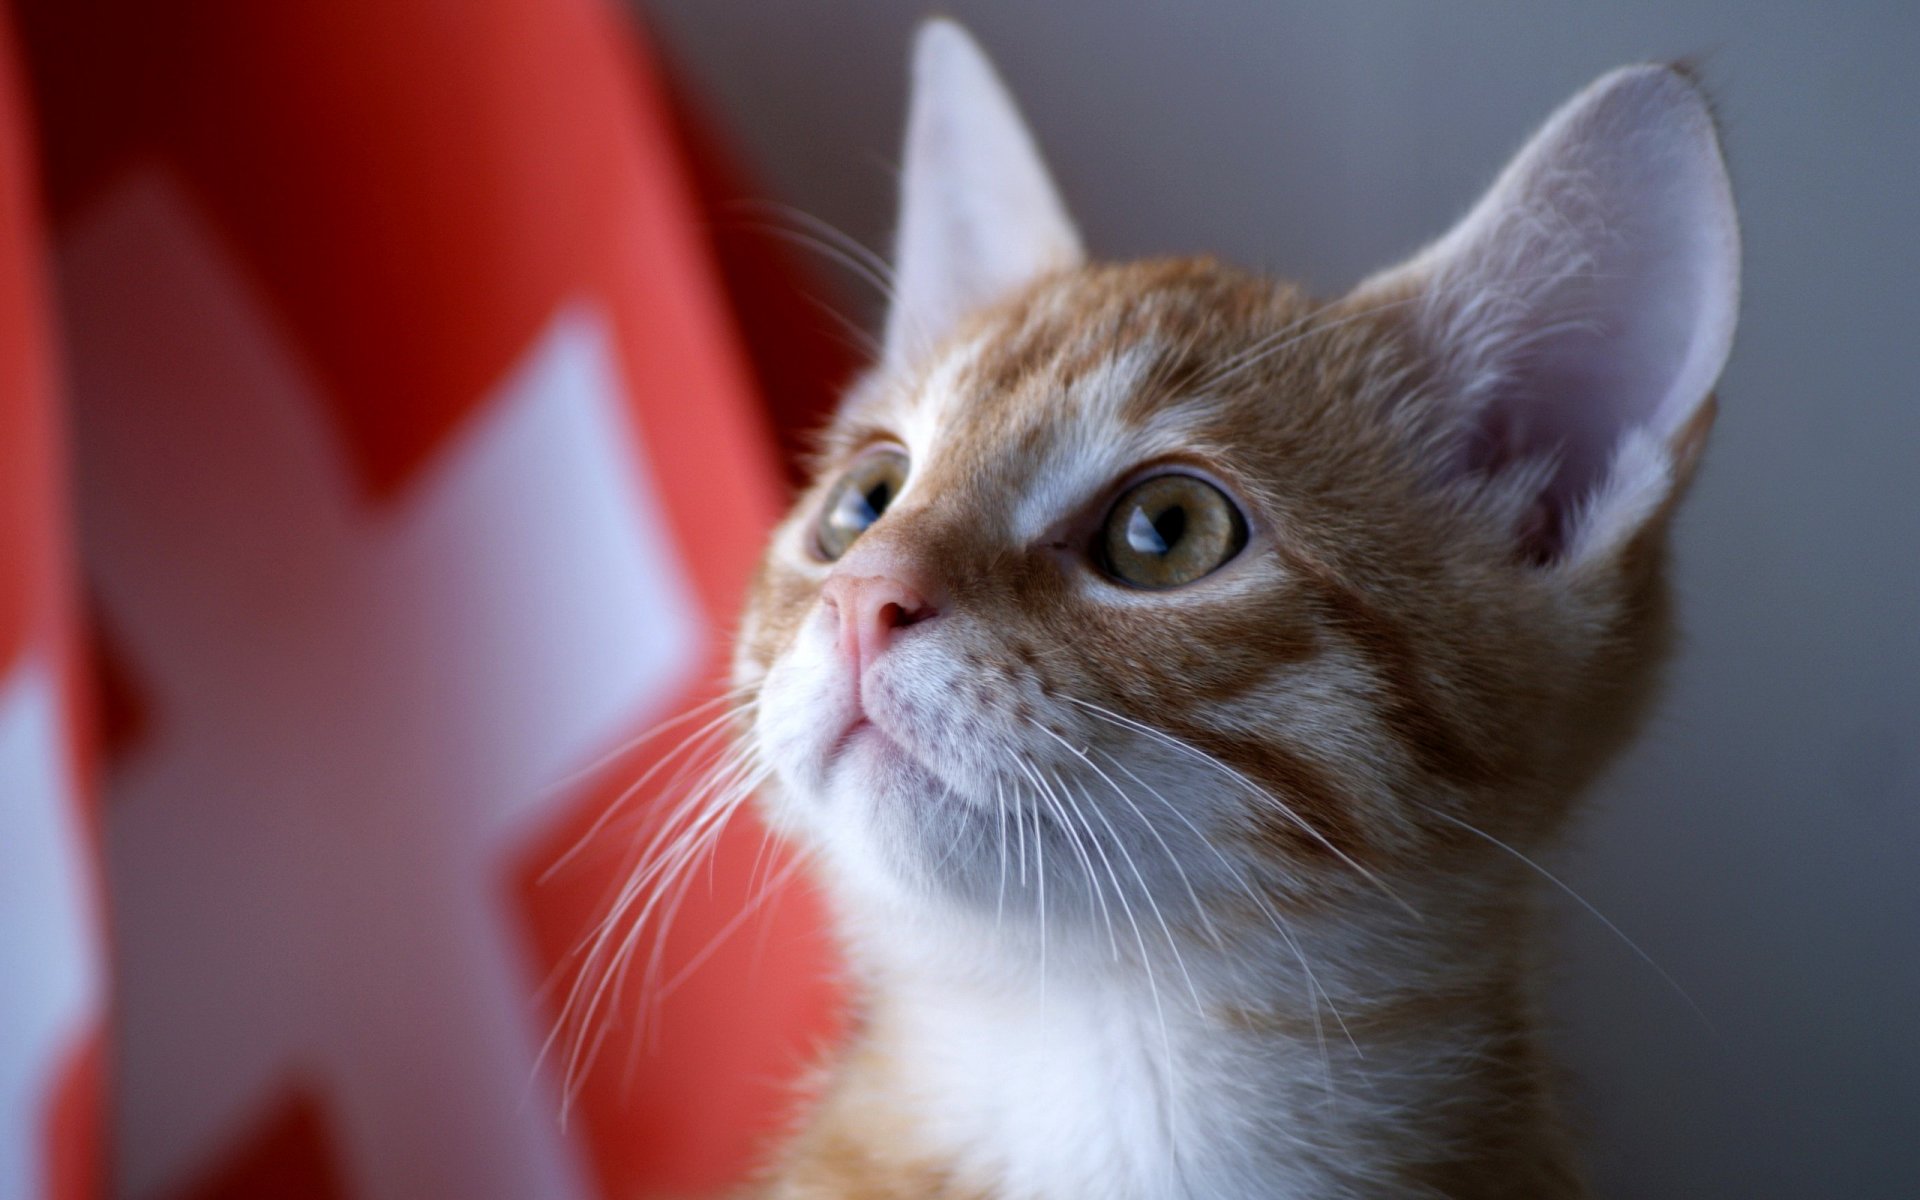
1168, 673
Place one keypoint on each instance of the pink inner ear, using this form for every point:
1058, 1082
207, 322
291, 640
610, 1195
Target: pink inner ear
1513, 436
1608, 349
1561, 408
1590, 294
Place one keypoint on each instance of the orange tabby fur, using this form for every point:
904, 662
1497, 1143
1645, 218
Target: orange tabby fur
1487, 690
1394, 659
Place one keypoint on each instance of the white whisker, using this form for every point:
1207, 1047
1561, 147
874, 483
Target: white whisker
1260, 792
688, 828
1173, 943
627, 747
1000, 810
1583, 902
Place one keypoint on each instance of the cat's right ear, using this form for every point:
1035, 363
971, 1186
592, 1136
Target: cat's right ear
1580, 314
979, 215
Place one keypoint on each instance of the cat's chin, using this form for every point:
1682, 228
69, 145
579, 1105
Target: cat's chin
924, 835
866, 761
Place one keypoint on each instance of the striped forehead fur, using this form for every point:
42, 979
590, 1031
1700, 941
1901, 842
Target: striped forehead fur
1221, 884
1382, 670
1315, 414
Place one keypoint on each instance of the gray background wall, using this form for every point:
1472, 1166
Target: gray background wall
1760, 843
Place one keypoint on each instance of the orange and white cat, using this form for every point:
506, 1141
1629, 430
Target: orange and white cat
1168, 674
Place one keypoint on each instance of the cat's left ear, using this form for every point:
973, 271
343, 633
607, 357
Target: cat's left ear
1581, 313
979, 215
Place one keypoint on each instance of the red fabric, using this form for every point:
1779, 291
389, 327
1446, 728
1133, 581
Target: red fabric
395, 236
76, 1149
51, 1067
802, 359
32, 526
290, 1155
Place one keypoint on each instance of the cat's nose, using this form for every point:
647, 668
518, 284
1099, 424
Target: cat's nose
870, 610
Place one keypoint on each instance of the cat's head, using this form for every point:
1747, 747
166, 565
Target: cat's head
1168, 579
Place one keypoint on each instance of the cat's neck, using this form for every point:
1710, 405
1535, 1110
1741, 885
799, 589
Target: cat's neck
976, 1077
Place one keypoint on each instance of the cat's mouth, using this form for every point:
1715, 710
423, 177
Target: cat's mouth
862, 735
859, 725
865, 739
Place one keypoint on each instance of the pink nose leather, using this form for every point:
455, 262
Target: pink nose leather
870, 610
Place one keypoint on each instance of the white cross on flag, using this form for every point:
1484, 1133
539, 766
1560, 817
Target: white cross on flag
418, 469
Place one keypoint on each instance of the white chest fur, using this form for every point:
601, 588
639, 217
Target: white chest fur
1085, 1093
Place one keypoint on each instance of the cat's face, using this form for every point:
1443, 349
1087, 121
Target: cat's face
1327, 644
1165, 582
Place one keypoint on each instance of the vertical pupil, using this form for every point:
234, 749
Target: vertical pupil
1170, 524
877, 497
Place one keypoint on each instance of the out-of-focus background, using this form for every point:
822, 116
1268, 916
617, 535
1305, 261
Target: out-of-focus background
392, 398
1760, 843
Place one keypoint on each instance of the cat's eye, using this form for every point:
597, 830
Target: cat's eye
857, 501
1170, 530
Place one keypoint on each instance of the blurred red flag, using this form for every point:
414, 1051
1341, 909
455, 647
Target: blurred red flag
52, 987
420, 468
